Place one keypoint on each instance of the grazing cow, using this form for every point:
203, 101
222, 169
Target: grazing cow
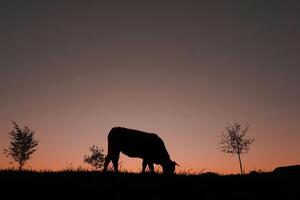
134, 143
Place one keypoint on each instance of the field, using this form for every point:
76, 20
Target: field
97, 185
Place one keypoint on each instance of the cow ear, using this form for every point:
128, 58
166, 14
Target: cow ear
176, 163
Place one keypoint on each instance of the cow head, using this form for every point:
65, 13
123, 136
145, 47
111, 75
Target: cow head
169, 167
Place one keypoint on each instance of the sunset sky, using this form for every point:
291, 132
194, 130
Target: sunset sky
72, 70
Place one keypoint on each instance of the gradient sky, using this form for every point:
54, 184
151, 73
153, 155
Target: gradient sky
71, 70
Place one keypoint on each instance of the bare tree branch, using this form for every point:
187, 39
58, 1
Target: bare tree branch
22, 145
234, 141
96, 158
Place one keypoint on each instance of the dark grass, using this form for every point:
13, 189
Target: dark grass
97, 185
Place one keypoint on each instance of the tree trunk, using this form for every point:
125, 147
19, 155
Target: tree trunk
21, 166
241, 167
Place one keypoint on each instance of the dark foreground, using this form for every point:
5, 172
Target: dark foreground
95, 185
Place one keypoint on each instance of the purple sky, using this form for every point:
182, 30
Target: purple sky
71, 70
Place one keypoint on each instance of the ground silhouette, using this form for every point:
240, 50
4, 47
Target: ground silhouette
96, 185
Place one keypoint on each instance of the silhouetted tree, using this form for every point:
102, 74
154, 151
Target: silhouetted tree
22, 145
96, 158
233, 141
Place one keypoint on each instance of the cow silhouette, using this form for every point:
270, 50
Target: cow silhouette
138, 144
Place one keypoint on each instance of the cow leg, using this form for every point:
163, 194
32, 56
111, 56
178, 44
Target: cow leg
106, 162
144, 165
151, 167
115, 161
112, 155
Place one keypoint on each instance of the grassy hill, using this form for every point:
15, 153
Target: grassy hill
96, 185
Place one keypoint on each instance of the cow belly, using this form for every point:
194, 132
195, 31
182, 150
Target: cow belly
136, 151
133, 154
